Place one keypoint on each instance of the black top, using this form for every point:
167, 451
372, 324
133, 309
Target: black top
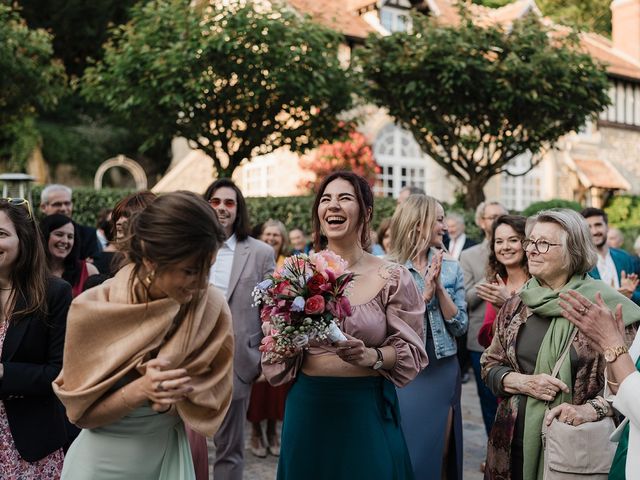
32, 359
88, 238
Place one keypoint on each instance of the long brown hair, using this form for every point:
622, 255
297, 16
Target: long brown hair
29, 273
364, 196
176, 227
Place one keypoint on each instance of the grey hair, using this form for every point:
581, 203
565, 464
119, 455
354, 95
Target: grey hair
580, 252
456, 217
483, 206
49, 189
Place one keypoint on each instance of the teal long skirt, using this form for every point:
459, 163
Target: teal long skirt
144, 445
343, 429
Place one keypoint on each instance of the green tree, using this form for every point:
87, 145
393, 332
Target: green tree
79, 28
31, 82
591, 15
236, 80
477, 97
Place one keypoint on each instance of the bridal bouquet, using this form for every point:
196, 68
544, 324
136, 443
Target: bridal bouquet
302, 300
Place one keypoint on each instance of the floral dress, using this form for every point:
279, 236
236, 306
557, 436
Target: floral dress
12, 466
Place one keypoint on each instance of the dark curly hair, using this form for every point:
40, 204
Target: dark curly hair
518, 223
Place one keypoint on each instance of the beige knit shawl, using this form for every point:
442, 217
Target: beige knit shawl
111, 329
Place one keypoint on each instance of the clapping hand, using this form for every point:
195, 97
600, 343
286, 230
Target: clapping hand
596, 321
496, 293
628, 283
432, 276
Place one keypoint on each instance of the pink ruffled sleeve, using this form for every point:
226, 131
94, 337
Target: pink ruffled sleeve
405, 327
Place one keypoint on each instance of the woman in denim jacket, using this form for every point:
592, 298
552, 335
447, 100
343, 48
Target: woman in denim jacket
430, 404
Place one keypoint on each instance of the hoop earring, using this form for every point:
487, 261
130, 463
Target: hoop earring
151, 276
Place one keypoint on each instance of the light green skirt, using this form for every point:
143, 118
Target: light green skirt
143, 445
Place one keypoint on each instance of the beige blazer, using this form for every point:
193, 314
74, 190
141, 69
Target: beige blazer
253, 260
474, 261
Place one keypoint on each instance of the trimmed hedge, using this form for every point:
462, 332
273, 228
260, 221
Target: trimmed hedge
624, 213
548, 204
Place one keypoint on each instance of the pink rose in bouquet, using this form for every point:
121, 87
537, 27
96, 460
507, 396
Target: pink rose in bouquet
329, 264
314, 305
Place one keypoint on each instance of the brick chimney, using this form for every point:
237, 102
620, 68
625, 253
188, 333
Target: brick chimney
625, 23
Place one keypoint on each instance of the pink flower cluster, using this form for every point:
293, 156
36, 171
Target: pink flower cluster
301, 300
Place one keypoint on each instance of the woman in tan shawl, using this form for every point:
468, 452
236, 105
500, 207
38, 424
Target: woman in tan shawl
149, 349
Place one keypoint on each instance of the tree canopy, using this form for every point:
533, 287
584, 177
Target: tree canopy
236, 80
592, 15
476, 97
31, 82
79, 28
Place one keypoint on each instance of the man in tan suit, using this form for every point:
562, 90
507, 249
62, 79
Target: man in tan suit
240, 264
474, 265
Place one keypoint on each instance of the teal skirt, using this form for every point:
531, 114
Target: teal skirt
144, 445
343, 429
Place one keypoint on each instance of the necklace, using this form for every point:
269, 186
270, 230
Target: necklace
357, 261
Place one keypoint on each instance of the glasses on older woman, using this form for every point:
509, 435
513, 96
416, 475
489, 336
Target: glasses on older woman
17, 202
541, 246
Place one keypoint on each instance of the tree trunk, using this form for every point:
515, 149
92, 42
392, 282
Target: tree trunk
474, 193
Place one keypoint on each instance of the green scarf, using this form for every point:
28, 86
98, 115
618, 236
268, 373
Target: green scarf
544, 302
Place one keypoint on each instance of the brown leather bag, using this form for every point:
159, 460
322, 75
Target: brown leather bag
581, 452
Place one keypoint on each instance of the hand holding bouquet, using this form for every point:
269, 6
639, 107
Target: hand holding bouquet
303, 300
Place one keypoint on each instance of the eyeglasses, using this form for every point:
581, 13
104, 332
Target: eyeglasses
17, 202
541, 246
227, 202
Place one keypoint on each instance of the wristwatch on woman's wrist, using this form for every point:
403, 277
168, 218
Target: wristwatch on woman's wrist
378, 364
611, 354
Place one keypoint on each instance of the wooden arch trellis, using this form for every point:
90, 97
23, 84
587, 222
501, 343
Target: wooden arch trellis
133, 167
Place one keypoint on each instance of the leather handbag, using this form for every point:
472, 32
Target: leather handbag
581, 452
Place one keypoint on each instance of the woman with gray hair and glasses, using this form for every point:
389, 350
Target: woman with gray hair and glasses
531, 335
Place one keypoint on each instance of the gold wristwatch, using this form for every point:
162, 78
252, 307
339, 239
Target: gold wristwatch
611, 354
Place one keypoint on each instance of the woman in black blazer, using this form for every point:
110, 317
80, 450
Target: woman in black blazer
33, 312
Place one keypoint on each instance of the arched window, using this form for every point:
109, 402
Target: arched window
401, 161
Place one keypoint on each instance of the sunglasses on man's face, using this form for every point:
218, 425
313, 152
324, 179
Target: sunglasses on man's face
227, 202
18, 202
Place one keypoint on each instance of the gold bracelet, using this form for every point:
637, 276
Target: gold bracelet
124, 400
612, 383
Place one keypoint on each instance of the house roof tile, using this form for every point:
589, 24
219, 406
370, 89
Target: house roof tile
595, 172
335, 14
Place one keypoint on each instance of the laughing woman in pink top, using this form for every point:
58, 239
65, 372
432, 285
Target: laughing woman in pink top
341, 418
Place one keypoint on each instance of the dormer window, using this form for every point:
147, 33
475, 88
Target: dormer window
394, 15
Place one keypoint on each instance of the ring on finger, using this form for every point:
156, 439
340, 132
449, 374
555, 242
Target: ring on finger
160, 388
